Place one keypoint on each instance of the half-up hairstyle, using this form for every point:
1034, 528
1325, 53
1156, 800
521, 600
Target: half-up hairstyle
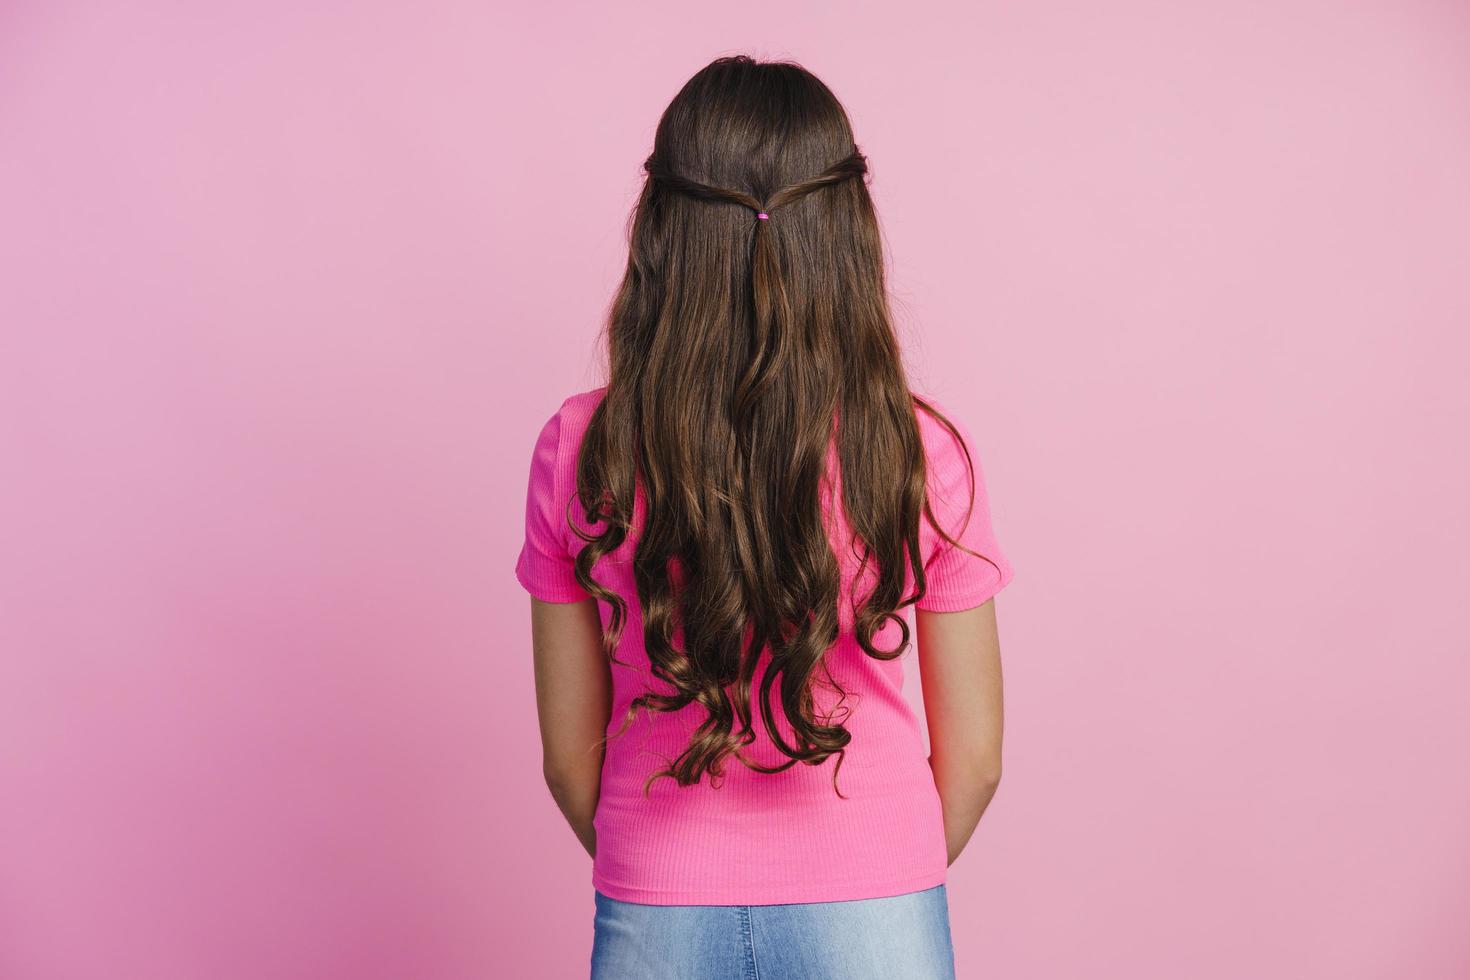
751, 328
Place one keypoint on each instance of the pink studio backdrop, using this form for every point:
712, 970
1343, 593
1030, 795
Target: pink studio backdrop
288, 289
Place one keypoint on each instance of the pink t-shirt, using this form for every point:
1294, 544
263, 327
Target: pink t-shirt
767, 838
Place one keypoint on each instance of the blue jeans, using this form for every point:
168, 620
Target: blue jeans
899, 936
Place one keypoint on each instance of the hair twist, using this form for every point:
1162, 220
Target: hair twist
855, 164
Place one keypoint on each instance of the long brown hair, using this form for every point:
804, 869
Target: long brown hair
736, 344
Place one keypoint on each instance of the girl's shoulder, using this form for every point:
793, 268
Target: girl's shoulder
581, 404
571, 418
939, 442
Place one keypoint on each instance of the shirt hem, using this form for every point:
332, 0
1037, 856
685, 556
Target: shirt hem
959, 602
547, 592
767, 895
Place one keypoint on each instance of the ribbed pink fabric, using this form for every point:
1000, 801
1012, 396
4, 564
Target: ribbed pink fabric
767, 838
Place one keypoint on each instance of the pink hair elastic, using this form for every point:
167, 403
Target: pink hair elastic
762, 215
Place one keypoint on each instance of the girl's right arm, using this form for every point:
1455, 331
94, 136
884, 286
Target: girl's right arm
960, 673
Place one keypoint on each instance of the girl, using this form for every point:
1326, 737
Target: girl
720, 545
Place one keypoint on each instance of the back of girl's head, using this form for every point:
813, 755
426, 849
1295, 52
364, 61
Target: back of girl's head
766, 131
744, 138
755, 126
751, 334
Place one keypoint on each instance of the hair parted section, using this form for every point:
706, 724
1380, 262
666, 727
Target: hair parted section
736, 358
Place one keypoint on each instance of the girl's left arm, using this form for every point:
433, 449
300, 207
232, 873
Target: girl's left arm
574, 704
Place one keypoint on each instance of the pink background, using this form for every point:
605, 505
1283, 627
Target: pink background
288, 290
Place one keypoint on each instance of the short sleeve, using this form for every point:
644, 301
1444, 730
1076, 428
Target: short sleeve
956, 579
545, 565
